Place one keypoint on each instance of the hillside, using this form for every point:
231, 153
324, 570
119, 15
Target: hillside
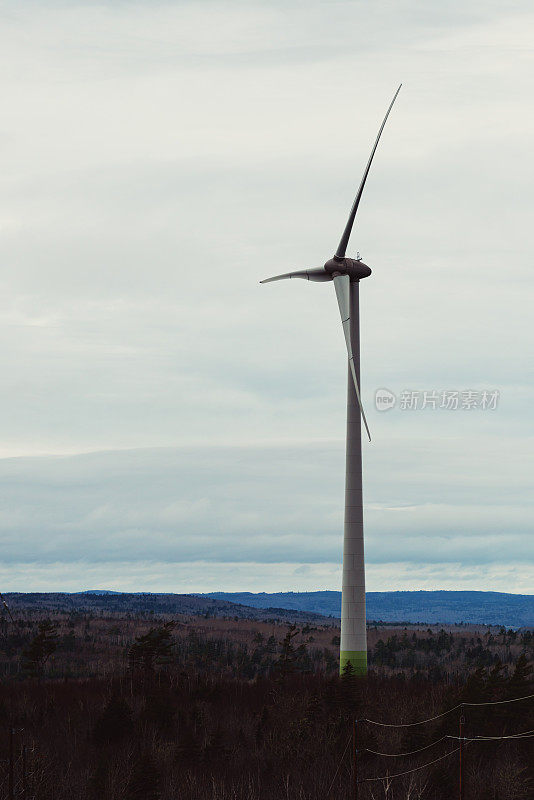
108, 602
489, 608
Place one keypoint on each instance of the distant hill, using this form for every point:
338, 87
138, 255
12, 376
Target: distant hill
103, 601
489, 608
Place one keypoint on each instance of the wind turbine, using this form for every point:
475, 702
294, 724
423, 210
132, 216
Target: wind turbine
346, 274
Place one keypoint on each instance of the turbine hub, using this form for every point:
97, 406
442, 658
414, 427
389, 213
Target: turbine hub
355, 269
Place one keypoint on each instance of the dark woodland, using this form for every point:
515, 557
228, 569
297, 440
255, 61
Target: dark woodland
110, 704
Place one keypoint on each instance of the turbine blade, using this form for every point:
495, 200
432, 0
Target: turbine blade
342, 287
319, 274
342, 247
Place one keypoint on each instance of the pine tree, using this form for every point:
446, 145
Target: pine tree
475, 689
348, 671
286, 662
496, 682
41, 647
521, 680
155, 647
348, 691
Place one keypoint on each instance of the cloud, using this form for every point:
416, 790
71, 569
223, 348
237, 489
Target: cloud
158, 159
264, 504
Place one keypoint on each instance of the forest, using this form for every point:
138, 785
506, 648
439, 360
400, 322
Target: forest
126, 706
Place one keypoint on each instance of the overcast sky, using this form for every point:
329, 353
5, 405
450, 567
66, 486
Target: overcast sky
171, 425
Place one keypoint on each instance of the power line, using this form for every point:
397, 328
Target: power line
462, 739
409, 724
435, 761
444, 713
410, 752
523, 735
407, 772
500, 702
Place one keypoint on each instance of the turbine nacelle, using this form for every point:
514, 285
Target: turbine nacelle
354, 268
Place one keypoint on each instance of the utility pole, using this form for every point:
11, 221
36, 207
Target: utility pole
24, 785
354, 759
461, 761
11, 785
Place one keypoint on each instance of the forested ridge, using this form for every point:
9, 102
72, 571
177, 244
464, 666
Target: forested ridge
483, 608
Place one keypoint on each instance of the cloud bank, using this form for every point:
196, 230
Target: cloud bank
163, 414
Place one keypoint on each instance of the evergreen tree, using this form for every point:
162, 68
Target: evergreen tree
286, 662
349, 690
331, 662
475, 689
348, 671
302, 659
496, 682
41, 647
520, 682
155, 647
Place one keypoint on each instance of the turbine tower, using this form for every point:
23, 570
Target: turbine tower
346, 274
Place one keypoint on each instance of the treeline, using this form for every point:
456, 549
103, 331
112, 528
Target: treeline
443, 651
55, 650
77, 645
